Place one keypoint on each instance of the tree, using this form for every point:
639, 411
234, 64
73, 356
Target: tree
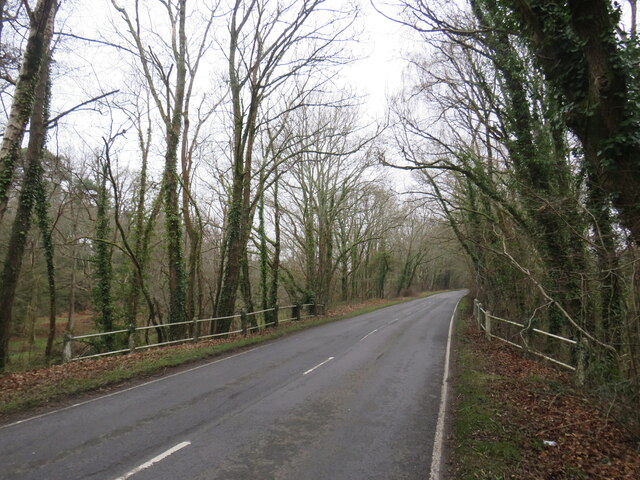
32, 192
594, 75
171, 108
40, 32
269, 49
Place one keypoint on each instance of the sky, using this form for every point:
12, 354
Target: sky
377, 73
85, 69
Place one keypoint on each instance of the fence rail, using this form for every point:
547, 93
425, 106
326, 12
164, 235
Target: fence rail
485, 321
239, 324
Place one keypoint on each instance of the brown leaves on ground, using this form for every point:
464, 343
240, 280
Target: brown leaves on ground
14, 384
542, 405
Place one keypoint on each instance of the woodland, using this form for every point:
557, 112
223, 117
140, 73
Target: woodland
165, 160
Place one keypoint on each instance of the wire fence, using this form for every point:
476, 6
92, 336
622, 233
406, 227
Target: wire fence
565, 352
136, 338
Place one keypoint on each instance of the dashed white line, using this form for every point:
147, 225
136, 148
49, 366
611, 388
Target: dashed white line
370, 333
154, 460
318, 366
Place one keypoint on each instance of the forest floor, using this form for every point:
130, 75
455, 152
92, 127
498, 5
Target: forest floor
53, 386
519, 418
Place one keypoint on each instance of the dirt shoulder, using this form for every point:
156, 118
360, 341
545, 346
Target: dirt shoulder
518, 418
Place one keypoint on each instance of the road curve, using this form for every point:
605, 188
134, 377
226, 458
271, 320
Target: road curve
354, 399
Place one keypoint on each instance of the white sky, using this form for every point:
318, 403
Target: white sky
87, 70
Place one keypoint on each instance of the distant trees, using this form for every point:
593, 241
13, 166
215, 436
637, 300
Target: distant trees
229, 169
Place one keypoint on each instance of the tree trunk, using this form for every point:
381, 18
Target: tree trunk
575, 44
275, 264
102, 258
40, 33
31, 191
173, 220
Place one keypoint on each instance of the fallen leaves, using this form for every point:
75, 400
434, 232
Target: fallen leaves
542, 404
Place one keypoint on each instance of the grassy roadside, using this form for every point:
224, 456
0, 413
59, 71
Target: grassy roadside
484, 446
23, 390
514, 417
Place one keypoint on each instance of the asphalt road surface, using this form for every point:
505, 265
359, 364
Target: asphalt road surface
354, 399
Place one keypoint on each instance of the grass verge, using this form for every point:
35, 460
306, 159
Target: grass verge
20, 391
485, 445
517, 417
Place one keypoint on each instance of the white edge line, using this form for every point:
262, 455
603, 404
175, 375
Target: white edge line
436, 454
154, 460
112, 394
370, 333
318, 366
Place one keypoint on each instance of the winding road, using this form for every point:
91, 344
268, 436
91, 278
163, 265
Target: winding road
353, 399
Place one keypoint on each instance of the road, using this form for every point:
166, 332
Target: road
354, 399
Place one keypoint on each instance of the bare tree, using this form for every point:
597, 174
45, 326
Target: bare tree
269, 49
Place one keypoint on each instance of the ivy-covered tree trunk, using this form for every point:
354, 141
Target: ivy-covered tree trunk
325, 260
172, 113
264, 255
382, 271
275, 263
239, 215
102, 261
575, 43
140, 249
310, 250
44, 222
40, 33
31, 193
233, 252
541, 170
170, 181
245, 283
612, 305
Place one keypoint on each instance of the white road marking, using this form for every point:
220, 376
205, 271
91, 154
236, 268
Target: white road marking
370, 333
154, 460
436, 454
130, 388
318, 366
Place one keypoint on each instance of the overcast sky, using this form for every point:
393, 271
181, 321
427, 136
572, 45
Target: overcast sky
85, 70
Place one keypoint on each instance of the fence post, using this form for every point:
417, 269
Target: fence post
66, 350
296, 312
195, 330
581, 367
487, 324
276, 316
526, 337
132, 338
244, 322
